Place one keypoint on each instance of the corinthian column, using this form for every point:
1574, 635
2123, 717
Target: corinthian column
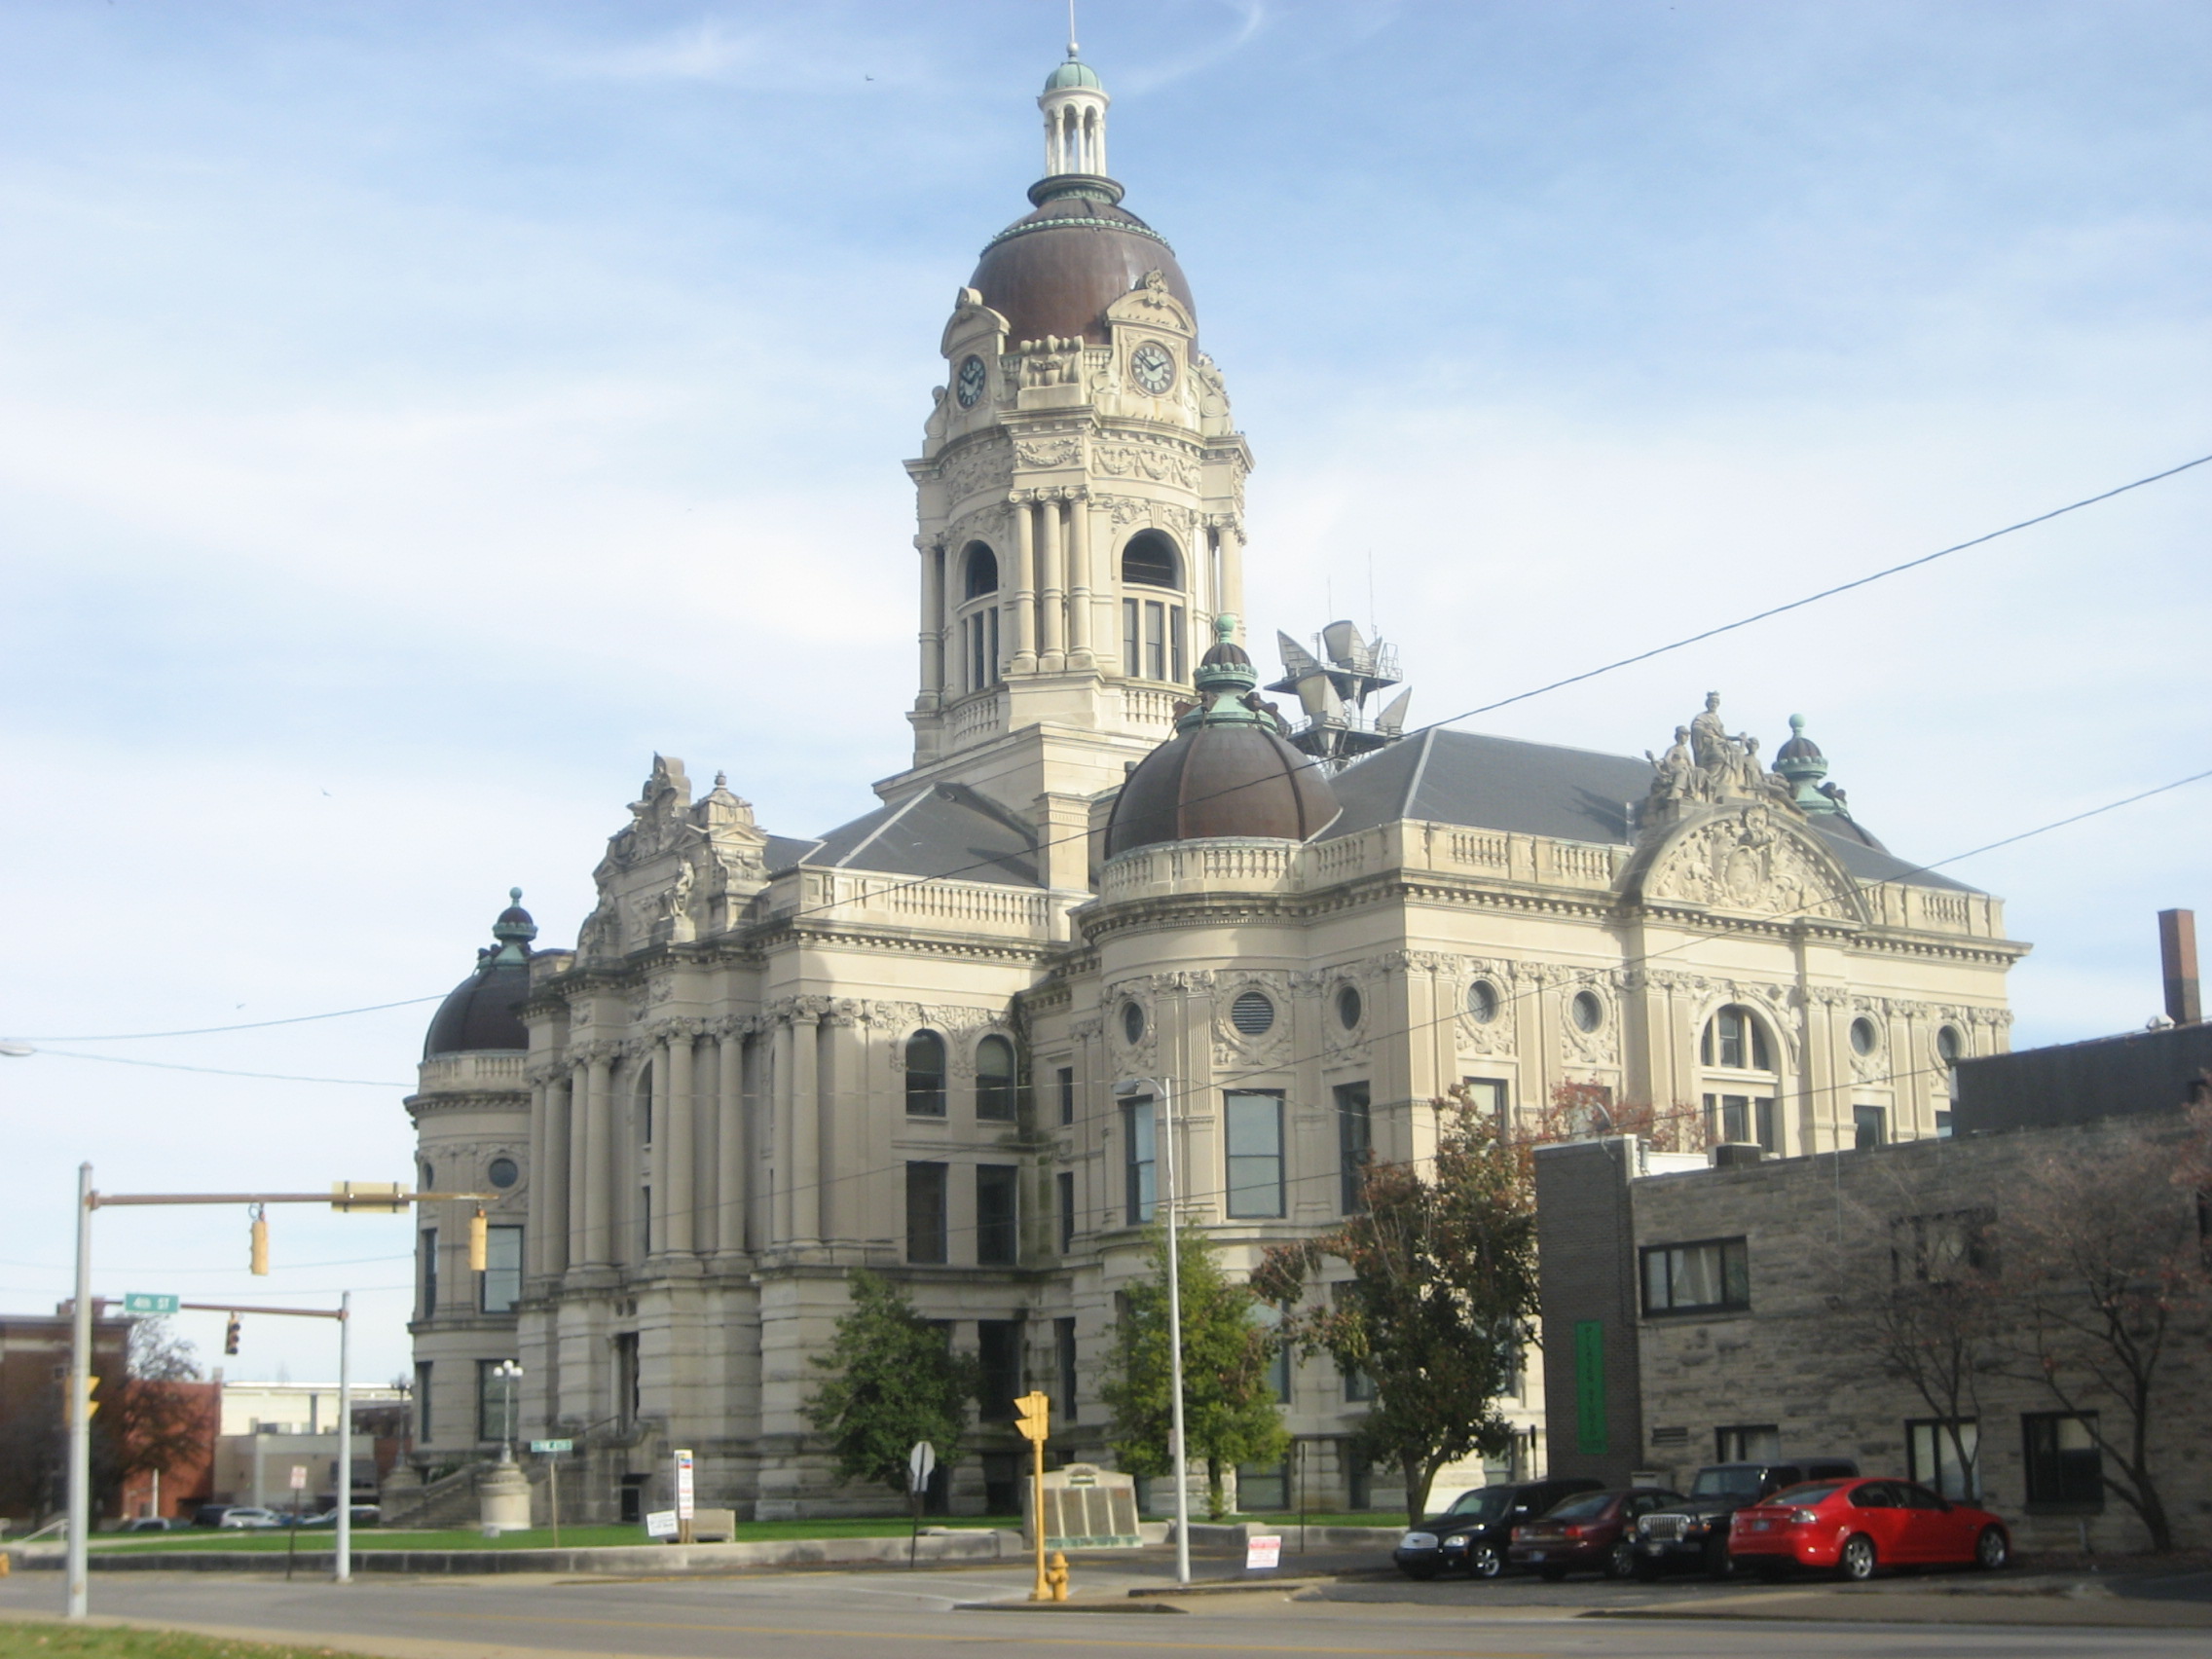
933, 627
1025, 612
680, 1196
1079, 584
1051, 655
549, 1176
806, 1129
1231, 599
732, 1166
599, 1164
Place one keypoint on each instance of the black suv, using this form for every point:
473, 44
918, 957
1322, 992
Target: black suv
1695, 1533
1471, 1535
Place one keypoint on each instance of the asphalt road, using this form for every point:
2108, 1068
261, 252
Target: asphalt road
872, 1615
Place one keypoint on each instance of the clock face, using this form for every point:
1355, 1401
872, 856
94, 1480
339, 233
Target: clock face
1154, 367
970, 386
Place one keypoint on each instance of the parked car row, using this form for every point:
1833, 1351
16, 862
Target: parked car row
1770, 1518
251, 1517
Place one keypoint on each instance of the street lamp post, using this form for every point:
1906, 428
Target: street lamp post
509, 1374
1132, 1088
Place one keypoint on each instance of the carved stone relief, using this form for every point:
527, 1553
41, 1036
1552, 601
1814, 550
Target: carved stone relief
1748, 861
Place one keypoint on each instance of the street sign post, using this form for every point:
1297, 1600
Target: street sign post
299, 1485
546, 1447
683, 1497
550, 1451
921, 1463
141, 1301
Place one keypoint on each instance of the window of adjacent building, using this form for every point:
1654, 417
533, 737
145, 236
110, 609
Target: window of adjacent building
926, 1212
423, 1430
1252, 1014
1063, 1189
1270, 1317
1747, 1443
998, 1356
1348, 1007
1709, 1275
1065, 1079
1254, 1125
502, 1278
493, 1421
2063, 1464
995, 1089
1944, 1246
1942, 1125
1063, 1364
1482, 1002
1489, 1096
998, 1225
1870, 1126
925, 1075
1931, 1456
1262, 1488
502, 1172
1355, 1145
1139, 1163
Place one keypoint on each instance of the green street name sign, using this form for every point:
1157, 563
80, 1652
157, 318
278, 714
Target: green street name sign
139, 1302
542, 1447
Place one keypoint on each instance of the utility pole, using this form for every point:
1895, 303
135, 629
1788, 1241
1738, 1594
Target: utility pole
1163, 1100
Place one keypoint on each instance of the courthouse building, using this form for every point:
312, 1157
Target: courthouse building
769, 1058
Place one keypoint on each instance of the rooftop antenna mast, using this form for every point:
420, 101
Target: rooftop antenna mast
1071, 28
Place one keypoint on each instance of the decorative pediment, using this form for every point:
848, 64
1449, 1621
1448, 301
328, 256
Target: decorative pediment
1151, 305
1752, 860
973, 324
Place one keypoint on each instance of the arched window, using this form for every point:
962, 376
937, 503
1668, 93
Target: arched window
979, 624
1739, 1103
1152, 629
982, 573
925, 1075
994, 1080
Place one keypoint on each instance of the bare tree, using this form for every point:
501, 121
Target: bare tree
2105, 1277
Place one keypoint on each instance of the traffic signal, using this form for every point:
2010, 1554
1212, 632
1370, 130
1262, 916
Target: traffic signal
1033, 1413
260, 1248
92, 1405
231, 1336
479, 1242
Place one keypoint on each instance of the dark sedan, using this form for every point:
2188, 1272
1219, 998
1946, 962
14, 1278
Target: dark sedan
1471, 1536
1592, 1531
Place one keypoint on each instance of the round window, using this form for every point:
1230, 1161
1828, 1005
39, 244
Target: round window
1482, 1001
1586, 1010
1132, 1022
1348, 1005
1252, 1014
1864, 1039
502, 1172
1949, 1048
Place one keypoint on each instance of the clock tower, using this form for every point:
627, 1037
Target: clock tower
1081, 494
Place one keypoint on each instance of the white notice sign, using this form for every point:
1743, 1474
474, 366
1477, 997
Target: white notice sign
299, 1477
683, 1499
660, 1523
1261, 1552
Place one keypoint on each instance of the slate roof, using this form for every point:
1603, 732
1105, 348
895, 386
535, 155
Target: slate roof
1543, 788
946, 830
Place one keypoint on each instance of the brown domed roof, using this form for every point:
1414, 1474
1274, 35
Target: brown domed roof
1239, 780
479, 1013
1056, 271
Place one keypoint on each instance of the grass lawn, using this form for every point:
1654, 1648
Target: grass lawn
536, 1538
86, 1642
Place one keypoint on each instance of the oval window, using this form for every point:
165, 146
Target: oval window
1586, 1010
1864, 1039
1348, 1007
1948, 1046
1482, 1001
1132, 1022
502, 1172
1252, 1014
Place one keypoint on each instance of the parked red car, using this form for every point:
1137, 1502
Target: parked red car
1854, 1527
1588, 1532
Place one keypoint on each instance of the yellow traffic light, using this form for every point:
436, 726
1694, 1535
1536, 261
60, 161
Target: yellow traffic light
479, 1242
260, 1248
1033, 1413
231, 1334
92, 1406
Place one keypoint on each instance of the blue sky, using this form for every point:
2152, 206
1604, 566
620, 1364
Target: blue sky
415, 416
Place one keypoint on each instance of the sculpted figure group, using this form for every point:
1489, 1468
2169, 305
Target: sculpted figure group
1706, 762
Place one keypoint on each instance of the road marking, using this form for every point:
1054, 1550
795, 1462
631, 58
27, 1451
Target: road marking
972, 1636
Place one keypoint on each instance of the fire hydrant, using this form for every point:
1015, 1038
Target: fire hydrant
1056, 1577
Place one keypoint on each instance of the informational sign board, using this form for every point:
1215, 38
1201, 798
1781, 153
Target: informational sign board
683, 1491
660, 1523
299, 1477
141, 1301
921, 1463
546, 1447
1263, 1553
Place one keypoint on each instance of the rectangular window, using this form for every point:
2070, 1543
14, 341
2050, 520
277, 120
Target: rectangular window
1747, 1443
627, 1382
1942, 1125
502, 1270
925, 1212
1065, 1076
2063, 1464
1063, 1185
1592, 1419
1132, 659
1254, 1122
1155, 640
1489, 1097
423, 1401
1932, 1457
1268, 1318
998, 1226
1138, 1159
1262, 1488
1943, 1247
1870, 1126
1063, 1363
429, 1272
1176, 641
645, 1220
1358, 1385
1741, 1118
1355, 1142
493, 1421
1707, 1276
998, 1355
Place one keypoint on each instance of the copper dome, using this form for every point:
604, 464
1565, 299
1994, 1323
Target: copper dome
1056, 271
479, 1013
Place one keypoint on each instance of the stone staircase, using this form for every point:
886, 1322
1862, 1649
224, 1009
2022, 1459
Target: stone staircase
447, 1502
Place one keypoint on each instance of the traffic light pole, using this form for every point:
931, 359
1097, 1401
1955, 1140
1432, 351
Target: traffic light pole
77, 1568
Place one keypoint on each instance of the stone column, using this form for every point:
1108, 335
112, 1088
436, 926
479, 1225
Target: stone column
1232, 596
781, 1067
1079, 584
933, 628
1052, 652
599, 1163
533, 1236
732, 1168
834, 1117
549, 1177
805, 1144
1023, 612
679, 1198
579, 1161
657, 1148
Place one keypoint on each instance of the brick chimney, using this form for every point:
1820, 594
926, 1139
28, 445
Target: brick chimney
2177, 960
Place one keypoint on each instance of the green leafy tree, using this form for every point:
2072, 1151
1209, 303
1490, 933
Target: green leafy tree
1441, 1299
893, 1380
1230, 1412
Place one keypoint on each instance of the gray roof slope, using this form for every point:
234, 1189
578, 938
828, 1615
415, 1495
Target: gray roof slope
946, 830
1543, 788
